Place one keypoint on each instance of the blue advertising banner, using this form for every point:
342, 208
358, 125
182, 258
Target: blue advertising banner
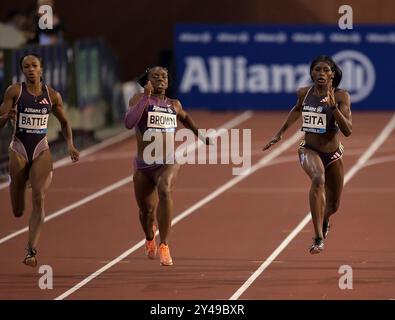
262, 66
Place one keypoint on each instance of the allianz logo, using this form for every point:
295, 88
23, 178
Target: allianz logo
230, 75
359, 75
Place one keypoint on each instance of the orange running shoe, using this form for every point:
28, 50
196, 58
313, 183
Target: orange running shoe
164, 255
30, 259
150, 246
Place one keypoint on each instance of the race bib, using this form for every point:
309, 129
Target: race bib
314, 122
162, 121
33, 122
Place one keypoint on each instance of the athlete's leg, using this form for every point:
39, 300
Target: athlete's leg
312, 165
19, 174
334, 179
147, 199
165, 179
40, 179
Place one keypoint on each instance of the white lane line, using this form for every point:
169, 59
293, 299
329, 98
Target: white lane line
355, 168
97, 147
228, 125
74, 205
380, 160
261, 163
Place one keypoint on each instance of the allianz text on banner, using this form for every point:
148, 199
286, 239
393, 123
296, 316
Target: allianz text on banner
262, 66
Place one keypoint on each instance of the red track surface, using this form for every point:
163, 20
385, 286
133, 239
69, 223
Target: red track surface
218, 246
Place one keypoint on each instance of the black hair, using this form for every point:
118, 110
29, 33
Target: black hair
334, 67
31, 54
142, 79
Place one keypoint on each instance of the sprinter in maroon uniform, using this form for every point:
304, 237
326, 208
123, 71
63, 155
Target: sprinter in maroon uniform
28, 105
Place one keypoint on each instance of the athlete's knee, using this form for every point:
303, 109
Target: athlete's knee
164, 191
38, 198
332, 206
147, 211
18, 211
18, 207
318, 179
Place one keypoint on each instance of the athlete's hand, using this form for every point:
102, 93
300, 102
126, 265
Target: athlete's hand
74, 154
148, 89
273, 141
331, 96
331, 99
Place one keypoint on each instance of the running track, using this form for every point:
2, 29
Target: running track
231, 245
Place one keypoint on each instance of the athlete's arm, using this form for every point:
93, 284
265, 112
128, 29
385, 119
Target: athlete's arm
293, 116
7, 110
342, 112
58, 111
188, 122
137, 106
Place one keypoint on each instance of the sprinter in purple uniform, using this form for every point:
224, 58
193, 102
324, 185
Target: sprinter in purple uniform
324, 109
28, 105
153, 112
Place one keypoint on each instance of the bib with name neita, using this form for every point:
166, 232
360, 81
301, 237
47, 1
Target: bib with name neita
317, 116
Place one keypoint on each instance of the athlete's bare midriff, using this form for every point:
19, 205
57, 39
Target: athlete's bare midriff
326, 142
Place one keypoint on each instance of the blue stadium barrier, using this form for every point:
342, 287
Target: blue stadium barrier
96, 72
55, 66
